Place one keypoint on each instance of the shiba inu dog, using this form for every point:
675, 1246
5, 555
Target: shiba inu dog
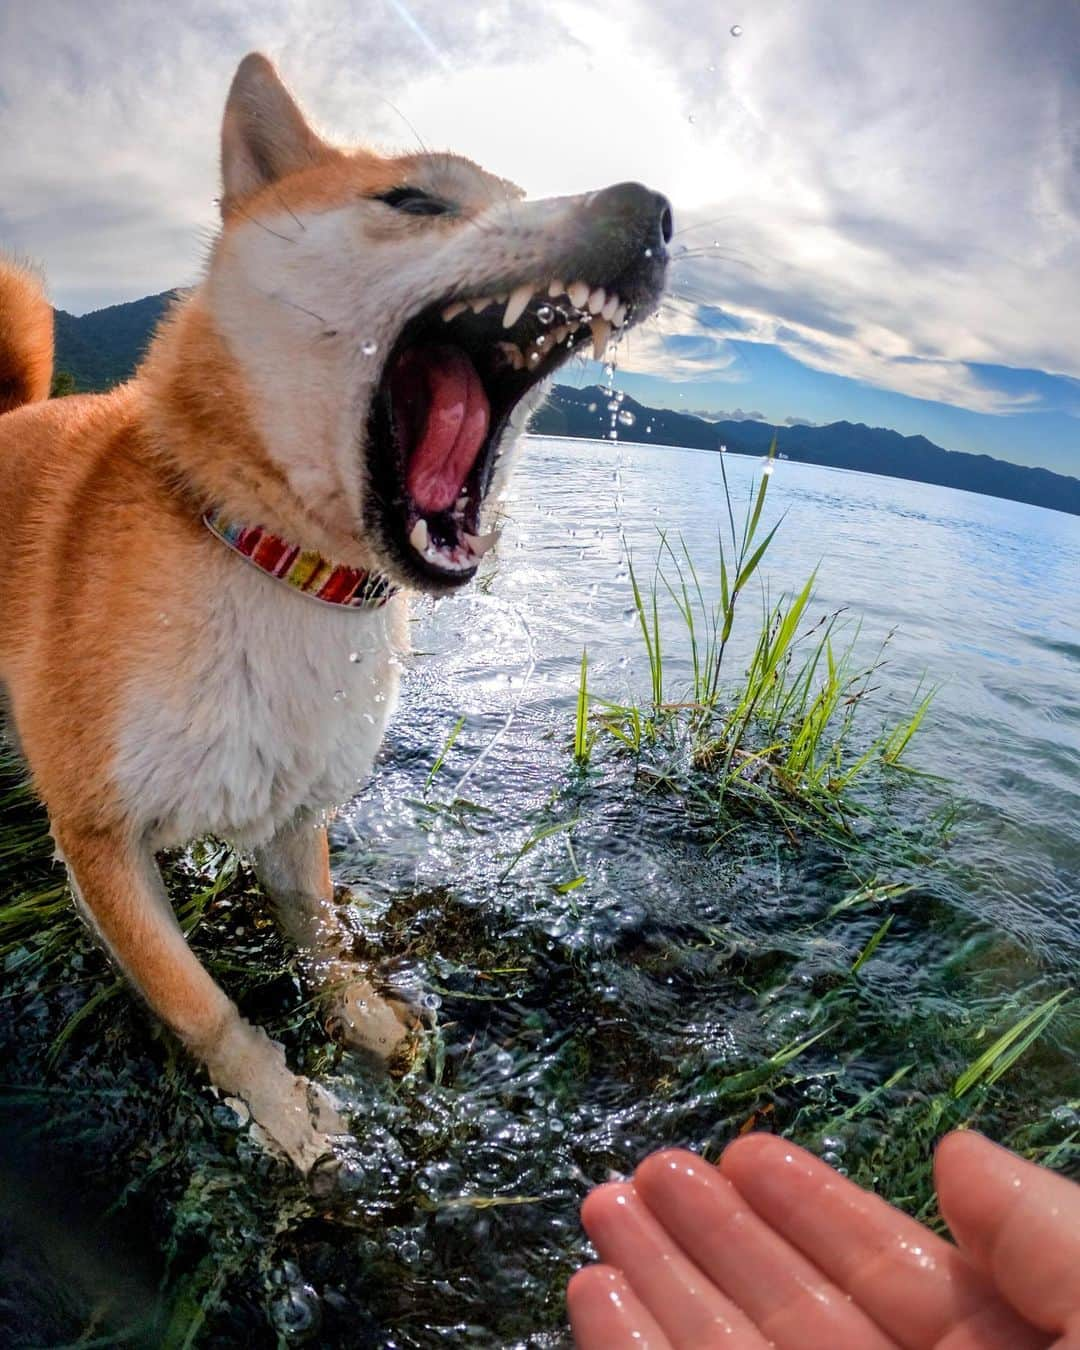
202, 603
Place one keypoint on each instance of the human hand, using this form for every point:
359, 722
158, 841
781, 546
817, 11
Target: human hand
774, 1248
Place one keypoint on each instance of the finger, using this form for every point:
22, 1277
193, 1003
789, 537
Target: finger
786, 1296
995, 1327
688, 1308
912, 1283
606, 1314
1018, 1222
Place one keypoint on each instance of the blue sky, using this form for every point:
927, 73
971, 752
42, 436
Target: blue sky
764, 381
878, 204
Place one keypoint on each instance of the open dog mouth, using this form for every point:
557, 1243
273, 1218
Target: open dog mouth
451, 383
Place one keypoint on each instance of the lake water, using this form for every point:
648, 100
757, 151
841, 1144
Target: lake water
609, 975
984, 595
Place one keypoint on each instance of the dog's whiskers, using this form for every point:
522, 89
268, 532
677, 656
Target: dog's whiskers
238, 207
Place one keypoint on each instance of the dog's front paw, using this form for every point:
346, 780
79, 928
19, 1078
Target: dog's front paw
289, 1113
379, 1025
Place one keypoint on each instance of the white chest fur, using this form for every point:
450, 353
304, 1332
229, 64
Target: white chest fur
279, 705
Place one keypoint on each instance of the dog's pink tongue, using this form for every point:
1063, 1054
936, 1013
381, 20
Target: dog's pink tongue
451, 437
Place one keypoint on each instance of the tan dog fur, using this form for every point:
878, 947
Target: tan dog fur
158, 687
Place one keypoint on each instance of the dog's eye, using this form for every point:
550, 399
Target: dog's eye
415, 202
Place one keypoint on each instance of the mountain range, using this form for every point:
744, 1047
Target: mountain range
102, 348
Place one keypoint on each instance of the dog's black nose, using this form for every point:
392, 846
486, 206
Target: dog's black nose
635, 210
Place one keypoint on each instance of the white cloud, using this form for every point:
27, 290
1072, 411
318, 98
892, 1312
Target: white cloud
893, 188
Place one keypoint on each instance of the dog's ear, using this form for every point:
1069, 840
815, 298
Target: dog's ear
264, 135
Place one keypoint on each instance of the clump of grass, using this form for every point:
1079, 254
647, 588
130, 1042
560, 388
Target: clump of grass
774, 740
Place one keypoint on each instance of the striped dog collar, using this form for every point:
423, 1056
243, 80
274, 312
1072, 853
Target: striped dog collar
301, 568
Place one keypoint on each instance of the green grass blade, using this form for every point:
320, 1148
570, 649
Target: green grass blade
447, 746
872, 946
1008, 1048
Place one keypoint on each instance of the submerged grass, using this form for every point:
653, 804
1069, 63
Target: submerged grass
728, 911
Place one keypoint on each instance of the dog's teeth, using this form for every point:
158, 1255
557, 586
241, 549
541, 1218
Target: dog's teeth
418, 536
517, 304
578, 292
610, 306
556, 288
512, 354
480, 303
597, 300
601, 336
452, 311
619, 317
479, 544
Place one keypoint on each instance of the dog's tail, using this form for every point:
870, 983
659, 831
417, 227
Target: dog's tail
26, 337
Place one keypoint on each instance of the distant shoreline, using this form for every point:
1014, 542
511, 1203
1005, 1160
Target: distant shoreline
750, 454
582, 414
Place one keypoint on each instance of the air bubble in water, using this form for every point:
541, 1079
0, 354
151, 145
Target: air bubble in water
627, 418
370, 347
296, 1313
545, 314
736, 30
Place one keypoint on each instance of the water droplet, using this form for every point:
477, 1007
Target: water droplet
648, 253
370, 347
339, 695
736, 30
767, 468
833, 1159
609, 370
613, 406
620, 394
711, 67
296, 1313
613, 435
545, 314
592, 407
723, 449
354, 657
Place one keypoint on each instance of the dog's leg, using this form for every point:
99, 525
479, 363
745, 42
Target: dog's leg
118, 885
294, 870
